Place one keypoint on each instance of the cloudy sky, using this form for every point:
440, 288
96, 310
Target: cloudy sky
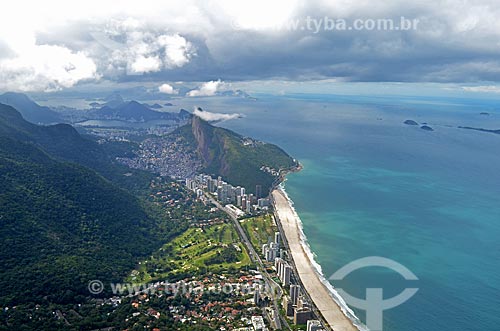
61, 45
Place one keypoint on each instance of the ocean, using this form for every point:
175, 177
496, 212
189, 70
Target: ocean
374, 186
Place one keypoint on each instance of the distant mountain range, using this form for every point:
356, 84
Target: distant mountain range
30, 110
113, 107
236, 93
63, 142
132, 111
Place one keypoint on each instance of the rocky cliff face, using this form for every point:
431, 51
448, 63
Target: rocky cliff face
203, 136
239, 160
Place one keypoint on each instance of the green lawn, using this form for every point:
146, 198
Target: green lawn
216, 249
259, 229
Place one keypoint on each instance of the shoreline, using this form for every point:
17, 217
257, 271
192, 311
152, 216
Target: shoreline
327, 301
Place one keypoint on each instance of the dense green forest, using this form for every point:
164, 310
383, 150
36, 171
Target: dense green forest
61, 222
61, 225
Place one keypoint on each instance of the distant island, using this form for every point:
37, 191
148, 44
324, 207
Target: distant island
480, 129
410, 122
426, 128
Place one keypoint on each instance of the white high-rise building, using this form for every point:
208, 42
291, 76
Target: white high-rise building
270, 252
264, 249
294, 293
314, 325
239, 191
277, 238
277, 264
284, 271
287, 272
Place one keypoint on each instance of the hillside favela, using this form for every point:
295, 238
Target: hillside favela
241, 165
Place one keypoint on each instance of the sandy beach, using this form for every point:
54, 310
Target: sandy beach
318, 292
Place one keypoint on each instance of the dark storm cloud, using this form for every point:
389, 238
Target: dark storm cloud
453, 42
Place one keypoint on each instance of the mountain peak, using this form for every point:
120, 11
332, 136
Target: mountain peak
8, 113
184, 114
29, 109
228, 154
17, 95
113, 100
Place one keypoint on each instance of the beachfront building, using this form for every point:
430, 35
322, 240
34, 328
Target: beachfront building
283, 270
301, 315
314, 325
301, 303
280, 265
263, 203
294, 293
270, 251
287, 273
277, 262
277, 238
287, 306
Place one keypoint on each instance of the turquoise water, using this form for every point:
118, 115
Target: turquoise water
374, 186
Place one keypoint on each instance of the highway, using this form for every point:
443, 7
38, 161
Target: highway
274, 289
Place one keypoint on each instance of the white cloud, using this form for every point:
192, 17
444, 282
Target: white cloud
167, 89
45, 68
212, 117
178, 51
206, 89
143, 64
140, 49
482, 89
